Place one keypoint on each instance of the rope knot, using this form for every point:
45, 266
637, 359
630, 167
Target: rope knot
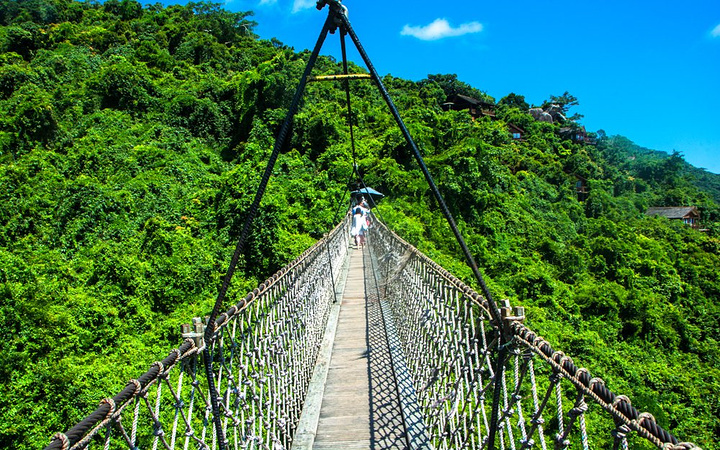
557, 356
621, 398
621, 432
565, 359
621, 403
580, 372
596, 380
562, 441
556, 377
680, 446
537, 420
138, 386
111, 411
158, 430
580, 408
63, 440
645, 417
539, 341
161, 369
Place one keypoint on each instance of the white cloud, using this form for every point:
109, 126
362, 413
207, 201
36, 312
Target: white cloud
268, 2
715, 32
439, 29
299, 5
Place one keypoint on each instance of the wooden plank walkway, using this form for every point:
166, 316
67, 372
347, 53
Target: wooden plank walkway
360, 406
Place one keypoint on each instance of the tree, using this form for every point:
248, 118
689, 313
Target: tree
452, 86
32, 115
515, 101
122, 85
565, 101
23, 39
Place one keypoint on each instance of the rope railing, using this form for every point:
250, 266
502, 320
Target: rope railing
450, 343
481, 377
263, 351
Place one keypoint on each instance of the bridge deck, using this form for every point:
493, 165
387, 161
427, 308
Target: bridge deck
360, 404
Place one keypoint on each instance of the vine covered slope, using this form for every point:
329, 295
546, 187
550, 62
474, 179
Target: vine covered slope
132, 140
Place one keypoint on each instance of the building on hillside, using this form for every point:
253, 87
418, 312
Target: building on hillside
581, 189
577, 135
476, 108
688, 214
517, 133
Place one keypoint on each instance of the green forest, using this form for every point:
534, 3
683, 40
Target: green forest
133, 138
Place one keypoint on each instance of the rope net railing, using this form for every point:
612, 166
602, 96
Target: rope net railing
264, 351
450, 345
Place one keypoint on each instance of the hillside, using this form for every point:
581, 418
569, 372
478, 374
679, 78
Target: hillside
132, 140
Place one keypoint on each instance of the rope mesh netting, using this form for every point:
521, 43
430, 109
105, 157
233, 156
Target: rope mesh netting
450, 345
264, 350
479, 377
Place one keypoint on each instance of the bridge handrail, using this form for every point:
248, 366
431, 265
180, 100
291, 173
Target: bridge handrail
223, 319
627, 418
619, 406
452, 279
110, 409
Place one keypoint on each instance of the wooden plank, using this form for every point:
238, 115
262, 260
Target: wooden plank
305, 434
359, 387
344, 416
360, 406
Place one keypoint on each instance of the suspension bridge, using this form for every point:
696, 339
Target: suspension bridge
376, 347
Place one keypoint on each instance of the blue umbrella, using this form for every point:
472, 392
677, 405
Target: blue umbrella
368, 192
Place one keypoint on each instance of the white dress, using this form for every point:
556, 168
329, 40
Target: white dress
359, 224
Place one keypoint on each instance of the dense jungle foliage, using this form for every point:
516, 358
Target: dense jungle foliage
132, 139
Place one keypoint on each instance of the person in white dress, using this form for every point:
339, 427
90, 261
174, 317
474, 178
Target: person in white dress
359, 222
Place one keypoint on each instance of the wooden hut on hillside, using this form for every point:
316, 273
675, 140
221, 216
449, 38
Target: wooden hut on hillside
517, 133
688, 214
476, 108
577, 135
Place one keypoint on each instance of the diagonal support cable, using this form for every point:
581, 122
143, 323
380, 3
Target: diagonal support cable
239, 248
337, 8
356, 172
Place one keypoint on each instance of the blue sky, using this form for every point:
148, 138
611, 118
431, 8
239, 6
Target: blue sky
649, 71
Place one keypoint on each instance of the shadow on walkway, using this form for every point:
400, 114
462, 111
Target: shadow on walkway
387, 429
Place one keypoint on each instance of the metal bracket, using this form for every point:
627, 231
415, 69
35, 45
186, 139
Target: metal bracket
336, 8
194, 331
321, 3
511, 314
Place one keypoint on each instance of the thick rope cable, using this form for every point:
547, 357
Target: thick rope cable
108, 413
494, 309
239, 248
118, 402
618, 405
346, 83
